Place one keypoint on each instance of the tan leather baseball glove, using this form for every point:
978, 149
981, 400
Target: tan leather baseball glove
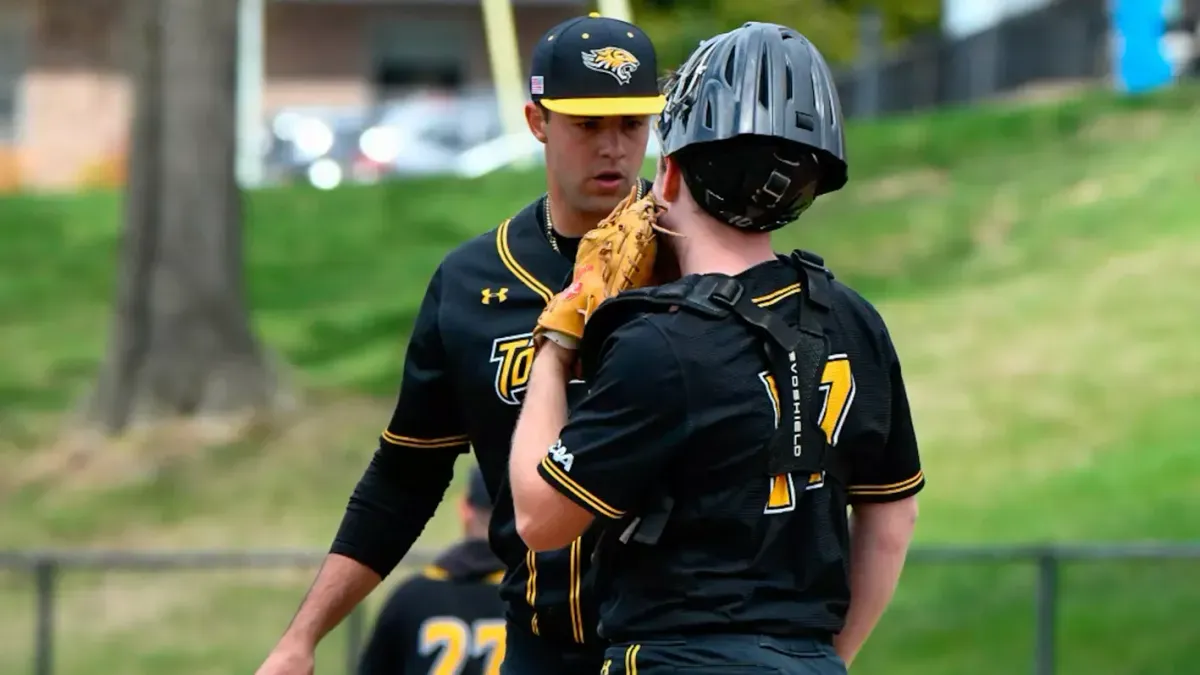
617, 255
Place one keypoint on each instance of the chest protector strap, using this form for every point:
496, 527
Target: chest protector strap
796, 358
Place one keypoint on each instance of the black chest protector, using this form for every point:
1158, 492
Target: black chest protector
796, 358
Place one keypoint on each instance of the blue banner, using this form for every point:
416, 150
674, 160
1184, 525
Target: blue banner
1138, 60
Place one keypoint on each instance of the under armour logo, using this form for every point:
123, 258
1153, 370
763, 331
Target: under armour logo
500, 295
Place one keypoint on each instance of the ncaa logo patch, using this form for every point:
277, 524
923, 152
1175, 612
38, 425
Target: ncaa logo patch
558, 453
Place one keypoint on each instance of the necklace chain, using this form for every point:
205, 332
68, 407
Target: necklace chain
550, 227
550, 236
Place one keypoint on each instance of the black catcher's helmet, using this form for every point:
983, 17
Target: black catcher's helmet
753, 119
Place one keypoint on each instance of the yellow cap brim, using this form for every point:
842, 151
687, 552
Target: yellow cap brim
606, 107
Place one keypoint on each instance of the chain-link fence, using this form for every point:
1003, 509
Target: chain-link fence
138, 613
1065, 42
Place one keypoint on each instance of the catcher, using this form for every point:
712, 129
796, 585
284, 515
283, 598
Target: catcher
735, 414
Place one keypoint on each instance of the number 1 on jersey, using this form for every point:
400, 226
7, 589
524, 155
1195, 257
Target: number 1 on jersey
837, 389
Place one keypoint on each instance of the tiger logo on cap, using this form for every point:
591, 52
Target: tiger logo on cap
619, 63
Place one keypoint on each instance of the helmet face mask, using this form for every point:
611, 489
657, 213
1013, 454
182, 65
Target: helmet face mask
753, 119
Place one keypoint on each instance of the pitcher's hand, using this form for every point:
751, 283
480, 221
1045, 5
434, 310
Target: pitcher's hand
288, 660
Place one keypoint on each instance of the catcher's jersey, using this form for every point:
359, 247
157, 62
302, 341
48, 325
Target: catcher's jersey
684, 404
465, 374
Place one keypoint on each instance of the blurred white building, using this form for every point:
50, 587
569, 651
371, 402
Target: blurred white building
961, 18
65, 98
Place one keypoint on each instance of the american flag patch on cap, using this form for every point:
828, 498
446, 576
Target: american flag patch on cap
536, 86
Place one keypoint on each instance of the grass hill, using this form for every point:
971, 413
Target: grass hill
1039, 266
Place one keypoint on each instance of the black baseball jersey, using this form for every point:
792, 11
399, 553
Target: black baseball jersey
465, 374
448, 619
683, 404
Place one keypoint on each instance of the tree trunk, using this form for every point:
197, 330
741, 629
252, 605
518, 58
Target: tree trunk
181, 341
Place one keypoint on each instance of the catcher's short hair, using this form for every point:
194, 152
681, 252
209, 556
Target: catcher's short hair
754, 120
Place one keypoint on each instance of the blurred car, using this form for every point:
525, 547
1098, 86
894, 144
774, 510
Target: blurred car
1181, 45
513, 151
319, 146
424, 134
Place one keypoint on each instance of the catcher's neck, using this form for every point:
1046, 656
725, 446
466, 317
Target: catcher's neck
722, 252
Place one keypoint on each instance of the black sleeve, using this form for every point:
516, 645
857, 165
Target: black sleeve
393, 501
893, 471
414, 463
427, 416
621, 437
391, 637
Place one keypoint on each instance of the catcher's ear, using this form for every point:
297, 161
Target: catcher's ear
536, 121
669, 180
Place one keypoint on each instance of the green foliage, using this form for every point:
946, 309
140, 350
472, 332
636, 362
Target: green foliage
1011, 250
677, 26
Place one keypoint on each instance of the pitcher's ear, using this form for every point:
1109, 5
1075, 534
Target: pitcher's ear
537, 118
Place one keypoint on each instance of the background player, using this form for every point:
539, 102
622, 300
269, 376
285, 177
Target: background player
593, 88
720, 559
450, 616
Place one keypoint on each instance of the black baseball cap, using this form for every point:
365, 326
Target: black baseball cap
594, 66
477, 492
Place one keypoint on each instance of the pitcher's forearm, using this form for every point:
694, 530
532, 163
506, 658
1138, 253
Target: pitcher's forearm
390, 506
340, 586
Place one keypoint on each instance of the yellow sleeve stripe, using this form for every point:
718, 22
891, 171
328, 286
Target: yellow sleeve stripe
440, 574
410, 442
890, 489
436, 573
598, 505
776, 296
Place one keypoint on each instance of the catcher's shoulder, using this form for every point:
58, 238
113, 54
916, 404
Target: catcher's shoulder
857, 304
641, 349
658, 333
644, 334
845, 297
